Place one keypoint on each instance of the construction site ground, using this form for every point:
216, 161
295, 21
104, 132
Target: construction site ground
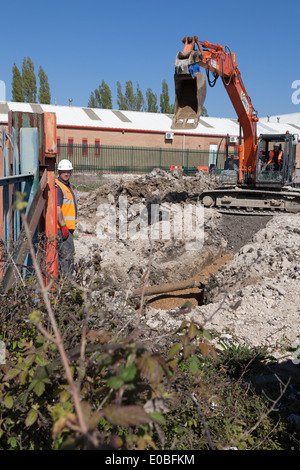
248, 266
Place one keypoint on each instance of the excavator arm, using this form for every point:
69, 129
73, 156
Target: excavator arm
190, 93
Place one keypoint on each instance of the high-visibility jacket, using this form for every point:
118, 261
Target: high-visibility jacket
68, 206
271, 156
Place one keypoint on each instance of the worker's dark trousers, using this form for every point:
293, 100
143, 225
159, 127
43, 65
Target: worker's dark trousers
66, 251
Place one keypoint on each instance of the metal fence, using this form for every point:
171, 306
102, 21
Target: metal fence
91, 158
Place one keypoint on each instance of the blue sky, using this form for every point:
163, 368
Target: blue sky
79, 44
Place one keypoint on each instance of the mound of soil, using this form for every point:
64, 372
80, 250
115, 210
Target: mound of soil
250, 265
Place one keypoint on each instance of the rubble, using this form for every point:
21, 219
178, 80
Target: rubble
249, 267
126, 254
254, 297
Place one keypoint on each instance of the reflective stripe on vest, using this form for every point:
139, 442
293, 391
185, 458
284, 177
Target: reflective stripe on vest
272, 156
68, 206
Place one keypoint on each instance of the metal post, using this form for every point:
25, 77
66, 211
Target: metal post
50, 212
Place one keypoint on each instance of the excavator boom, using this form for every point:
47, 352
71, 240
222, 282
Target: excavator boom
253, 185
190, 92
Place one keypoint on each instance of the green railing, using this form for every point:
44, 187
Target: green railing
135, 159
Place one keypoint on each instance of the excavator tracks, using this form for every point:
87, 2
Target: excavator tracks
222, 210
252, 202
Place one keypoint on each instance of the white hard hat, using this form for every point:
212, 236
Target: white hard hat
65, 165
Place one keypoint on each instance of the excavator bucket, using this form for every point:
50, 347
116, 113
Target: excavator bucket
190, 94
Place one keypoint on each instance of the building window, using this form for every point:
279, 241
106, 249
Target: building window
70, 146
97, 147
84, 146
58, 146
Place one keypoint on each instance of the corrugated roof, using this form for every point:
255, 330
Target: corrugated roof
276, 128
292, 118
116, 119
74, 116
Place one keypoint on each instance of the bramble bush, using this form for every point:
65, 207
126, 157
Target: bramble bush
134, 394
82, 371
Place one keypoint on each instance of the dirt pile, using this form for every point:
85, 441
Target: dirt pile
262, 284
249, 266
148, 222
254, 297
162, 186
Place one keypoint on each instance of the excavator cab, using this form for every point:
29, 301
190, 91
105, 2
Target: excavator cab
276, 160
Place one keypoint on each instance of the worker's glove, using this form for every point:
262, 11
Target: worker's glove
65, 231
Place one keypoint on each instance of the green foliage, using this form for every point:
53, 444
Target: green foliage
44, 89
139, 104
135, 393
129, 96
101, 97
151, 101
92, 103
24, 86
242, 359
132, 100
29, 81
165, 106
204, 112
121, 101
17, 87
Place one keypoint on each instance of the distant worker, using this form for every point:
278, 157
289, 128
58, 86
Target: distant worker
275, 158
66, 218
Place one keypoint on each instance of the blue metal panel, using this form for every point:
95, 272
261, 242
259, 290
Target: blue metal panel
29, 163
5, 172
29, 152
17, 186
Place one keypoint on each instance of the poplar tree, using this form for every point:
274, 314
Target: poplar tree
139, 99
101, 97
92, 103
151, 101
130, 101
204, 112
165, 106
129, 96
17, 87
44, 89
121, 101
106, 96
29, 81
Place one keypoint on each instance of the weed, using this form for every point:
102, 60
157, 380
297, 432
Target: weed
242, 359
79, 374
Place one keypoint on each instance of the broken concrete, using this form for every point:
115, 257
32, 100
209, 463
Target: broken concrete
171, 250
254, 297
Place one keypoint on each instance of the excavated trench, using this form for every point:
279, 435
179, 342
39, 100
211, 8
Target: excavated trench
253, 262
237, 230
228, 242
124, 262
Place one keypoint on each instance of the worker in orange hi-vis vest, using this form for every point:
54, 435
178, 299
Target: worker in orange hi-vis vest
275, 158
66, 218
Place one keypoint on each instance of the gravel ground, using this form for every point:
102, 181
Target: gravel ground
250, 264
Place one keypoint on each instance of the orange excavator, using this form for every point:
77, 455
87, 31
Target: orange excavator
250, 182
